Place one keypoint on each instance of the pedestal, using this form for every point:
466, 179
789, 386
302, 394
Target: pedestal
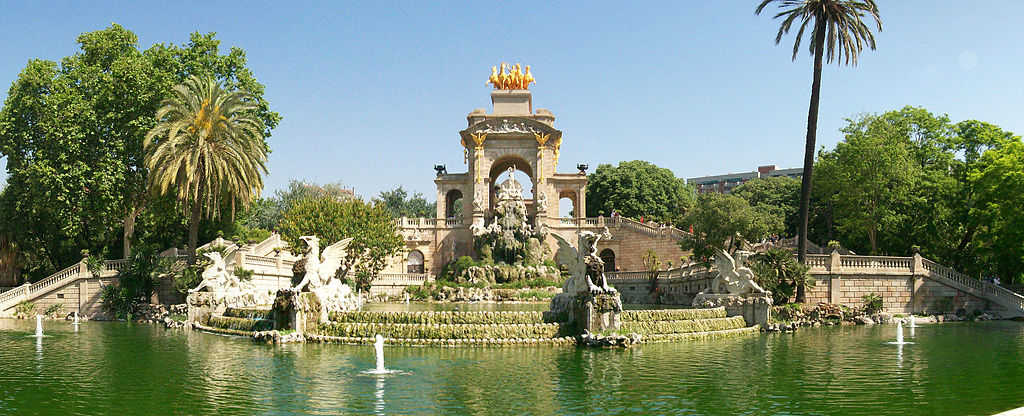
201, 306
298, 311
755, 308
598, 313
594, 313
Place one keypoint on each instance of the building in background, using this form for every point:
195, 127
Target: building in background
725, 183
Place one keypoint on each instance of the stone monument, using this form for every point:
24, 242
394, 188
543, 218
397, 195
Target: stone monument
223, 289
586, 299
735, 289
326, 292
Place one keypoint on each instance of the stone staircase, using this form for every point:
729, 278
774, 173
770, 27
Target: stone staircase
252, 256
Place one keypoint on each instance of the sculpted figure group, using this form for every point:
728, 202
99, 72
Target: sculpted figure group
511, 77
227, 288
586, 269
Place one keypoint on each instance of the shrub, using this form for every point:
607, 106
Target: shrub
117, 301
243, 274
833, 245
872, 303
25, 309
93, 263
54, 311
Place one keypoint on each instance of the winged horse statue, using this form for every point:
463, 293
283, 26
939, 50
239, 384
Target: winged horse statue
586, 269
319, 277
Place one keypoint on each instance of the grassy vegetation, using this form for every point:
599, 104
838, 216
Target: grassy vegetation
671, 314
693, 325
241, 324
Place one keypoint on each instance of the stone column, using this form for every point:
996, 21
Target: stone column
917, 282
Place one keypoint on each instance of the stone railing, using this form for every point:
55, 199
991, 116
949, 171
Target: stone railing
974, 286
74, 272
876, 262
401, 278
432, 223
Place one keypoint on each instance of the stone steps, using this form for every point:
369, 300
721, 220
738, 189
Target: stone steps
440, 317
647, 328
672, 314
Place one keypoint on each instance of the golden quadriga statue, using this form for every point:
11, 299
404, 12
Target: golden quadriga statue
511, 77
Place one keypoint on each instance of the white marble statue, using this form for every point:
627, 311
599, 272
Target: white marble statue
542, 202
734, 277
320, 271
586, 269
227, 288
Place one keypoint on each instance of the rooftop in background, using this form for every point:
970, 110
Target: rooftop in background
725, 183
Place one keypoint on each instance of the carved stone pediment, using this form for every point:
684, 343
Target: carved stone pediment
510, 125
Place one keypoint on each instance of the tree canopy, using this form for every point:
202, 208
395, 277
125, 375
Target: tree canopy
374, 233
72, 133
638, 189
725, 222
778, 195
400, 204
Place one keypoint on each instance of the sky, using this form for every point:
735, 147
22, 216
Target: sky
373, 94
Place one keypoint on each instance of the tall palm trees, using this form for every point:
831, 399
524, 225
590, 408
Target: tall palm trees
207, 148
838, 29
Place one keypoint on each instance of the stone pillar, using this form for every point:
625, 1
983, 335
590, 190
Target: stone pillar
598, 313
917, 282
835, 283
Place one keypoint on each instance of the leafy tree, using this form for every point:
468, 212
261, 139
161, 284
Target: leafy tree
779, 195
73, 137
839, 30
1000, 188
400, 204
206, 148
870, 175
265, 213
725, 222
638, 189
373, 231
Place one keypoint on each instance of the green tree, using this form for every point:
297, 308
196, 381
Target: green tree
400, 204
837, 29
638, 189
206, 148
265, 213
779, 195
374, 233
725, 222
870, 175
999, 184
73, 137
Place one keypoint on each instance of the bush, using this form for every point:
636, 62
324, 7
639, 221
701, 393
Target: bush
243, 274
117, 301
25, 309
872, 303
54, 311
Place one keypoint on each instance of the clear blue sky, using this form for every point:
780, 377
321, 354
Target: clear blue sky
374, 93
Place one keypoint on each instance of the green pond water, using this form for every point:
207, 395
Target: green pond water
124, 368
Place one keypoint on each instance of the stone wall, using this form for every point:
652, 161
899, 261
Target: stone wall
82, 296
903, 283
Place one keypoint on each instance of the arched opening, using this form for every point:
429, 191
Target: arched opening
521, 171
453, 204
567, 205
414, 262
608, 257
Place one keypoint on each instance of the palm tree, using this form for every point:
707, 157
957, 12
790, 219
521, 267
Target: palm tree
837, 29
207, 148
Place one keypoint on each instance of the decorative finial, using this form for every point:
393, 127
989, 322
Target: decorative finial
511, 77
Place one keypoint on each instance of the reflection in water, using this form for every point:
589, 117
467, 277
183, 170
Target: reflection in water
380, 396
120, 368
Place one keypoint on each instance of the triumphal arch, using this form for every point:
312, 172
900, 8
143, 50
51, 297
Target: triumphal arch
517, 136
